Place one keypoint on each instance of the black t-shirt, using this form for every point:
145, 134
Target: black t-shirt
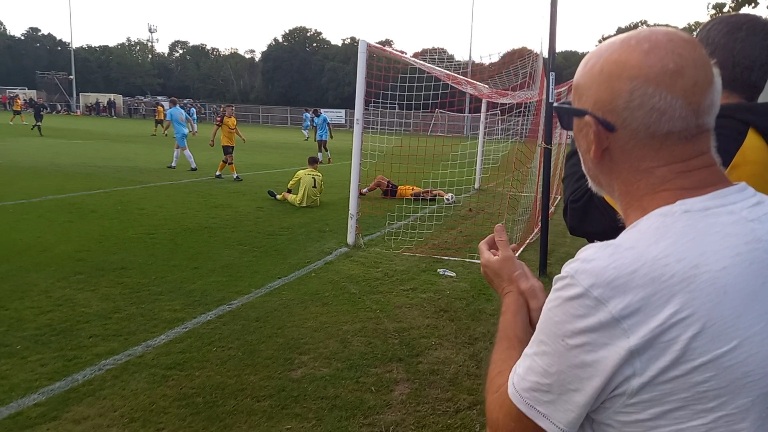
40, 108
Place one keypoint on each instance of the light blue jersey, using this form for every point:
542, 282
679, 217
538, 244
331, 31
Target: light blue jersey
178, 119
321, 123
307, 121
193, 115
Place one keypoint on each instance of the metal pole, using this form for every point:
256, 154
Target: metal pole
469, 70
481, 144
72, 59
357, 141
546, 171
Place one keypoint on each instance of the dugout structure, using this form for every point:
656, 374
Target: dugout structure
91, 98
421, 121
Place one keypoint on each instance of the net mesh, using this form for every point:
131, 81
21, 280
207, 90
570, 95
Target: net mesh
427, 125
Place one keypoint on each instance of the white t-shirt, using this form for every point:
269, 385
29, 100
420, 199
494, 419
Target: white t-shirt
663, 329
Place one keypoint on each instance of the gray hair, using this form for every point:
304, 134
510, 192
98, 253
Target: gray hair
651, 112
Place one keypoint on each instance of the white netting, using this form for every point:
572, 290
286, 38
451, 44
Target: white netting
425, 126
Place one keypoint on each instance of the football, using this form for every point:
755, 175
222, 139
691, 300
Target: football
449, 198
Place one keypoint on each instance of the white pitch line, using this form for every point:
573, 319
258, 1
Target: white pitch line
112, 362
93, 192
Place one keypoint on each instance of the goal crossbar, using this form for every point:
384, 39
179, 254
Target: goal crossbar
462, 83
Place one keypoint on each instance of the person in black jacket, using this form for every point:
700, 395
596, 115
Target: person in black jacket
738, 43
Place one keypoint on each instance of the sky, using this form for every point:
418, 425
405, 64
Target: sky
499, 25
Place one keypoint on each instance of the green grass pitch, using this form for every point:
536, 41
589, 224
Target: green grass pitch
371, 341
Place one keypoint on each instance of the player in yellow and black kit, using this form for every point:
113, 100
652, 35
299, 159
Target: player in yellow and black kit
16, 103
310, 182
738, 44
391, 190
159, 116
228, 125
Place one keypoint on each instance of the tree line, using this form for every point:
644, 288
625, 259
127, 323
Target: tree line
299, 68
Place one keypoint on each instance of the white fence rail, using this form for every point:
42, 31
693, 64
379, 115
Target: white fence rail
253, 114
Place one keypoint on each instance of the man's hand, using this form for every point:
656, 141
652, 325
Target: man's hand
211, 143
506, 274
243, 138
331, 136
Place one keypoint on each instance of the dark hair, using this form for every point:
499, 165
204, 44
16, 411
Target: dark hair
306, 109
173, 101
313, 160
739, 44
316, 112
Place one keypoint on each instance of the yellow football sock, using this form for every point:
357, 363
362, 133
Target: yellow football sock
232, 168
222, 165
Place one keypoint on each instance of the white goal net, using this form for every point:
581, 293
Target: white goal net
425, 127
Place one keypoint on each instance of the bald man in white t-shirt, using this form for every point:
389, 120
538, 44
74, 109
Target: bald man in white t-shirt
664, 328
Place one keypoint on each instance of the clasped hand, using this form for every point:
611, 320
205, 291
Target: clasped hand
507, 275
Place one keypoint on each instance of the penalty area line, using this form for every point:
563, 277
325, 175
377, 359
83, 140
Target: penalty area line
114, 361
141, 186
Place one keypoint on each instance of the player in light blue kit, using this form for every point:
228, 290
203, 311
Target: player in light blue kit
193, 116
180, 120
322, 131
306, 124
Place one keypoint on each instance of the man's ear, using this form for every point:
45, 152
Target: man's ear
599, 139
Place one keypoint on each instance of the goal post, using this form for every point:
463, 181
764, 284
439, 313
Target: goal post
480, 145
424, 127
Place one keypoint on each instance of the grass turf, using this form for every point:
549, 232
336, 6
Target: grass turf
371, 341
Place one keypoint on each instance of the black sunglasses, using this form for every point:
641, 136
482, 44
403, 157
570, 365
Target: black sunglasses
566, 113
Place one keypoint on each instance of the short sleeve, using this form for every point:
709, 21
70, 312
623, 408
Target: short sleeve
574, 360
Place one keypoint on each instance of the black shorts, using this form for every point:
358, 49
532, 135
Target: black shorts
228, 150
16, 112
158, 122
38, 118
390, 191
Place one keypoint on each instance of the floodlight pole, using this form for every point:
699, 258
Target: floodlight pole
469, 70
72, 59
546, 171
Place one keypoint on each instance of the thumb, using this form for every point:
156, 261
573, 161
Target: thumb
502, 240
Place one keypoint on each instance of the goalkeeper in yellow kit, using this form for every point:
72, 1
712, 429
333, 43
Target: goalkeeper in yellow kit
310, 182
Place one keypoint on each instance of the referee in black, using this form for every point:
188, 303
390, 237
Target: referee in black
39, 109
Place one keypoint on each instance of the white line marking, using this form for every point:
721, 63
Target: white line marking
93, 192
112, 362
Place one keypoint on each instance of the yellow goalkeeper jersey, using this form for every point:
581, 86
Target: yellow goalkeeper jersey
310, 182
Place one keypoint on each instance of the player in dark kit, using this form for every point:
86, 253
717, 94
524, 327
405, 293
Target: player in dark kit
39, 109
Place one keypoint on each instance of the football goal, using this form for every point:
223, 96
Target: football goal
479, 138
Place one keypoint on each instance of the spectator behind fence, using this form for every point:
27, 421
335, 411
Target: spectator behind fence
739, 45
663, 328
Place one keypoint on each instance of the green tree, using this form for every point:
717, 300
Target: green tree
292, 66
566, 64
732, 6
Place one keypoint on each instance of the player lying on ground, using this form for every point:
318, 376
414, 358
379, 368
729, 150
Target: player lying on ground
391, 190
310, 182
